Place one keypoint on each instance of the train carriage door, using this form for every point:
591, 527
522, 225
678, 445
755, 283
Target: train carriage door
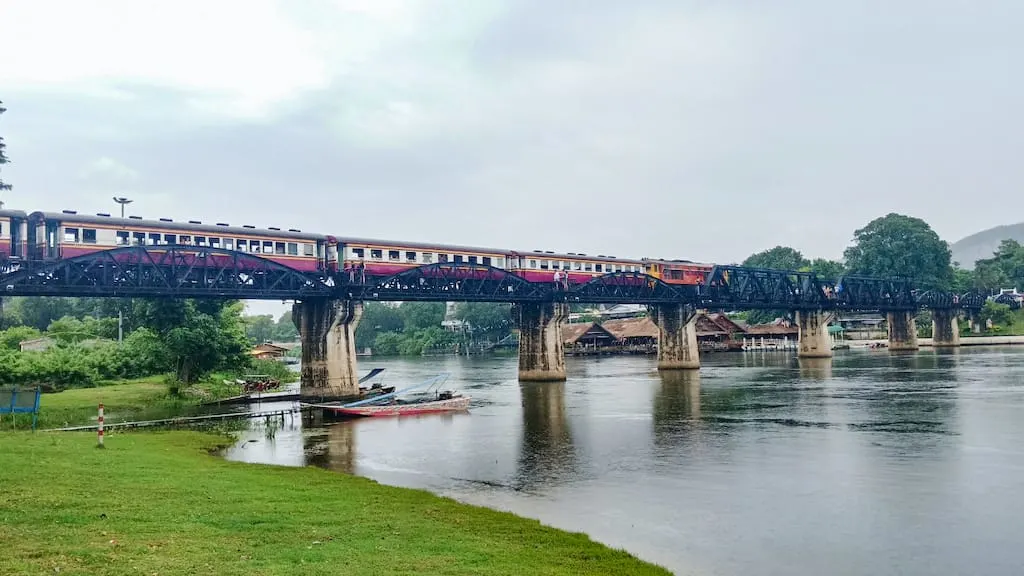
52, 239
17, 237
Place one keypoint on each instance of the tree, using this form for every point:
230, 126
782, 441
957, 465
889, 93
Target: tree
377, 318
779, 258
209, 338
828, 270
998, 313
490, 319
904, 246
3, 154
260, 328
419, 315
1004, 269
285, 330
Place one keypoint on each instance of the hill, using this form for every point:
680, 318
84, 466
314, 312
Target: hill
982, 244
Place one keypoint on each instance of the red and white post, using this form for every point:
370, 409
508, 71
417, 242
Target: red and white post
99, 429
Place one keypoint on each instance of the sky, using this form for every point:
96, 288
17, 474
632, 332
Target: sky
659, 128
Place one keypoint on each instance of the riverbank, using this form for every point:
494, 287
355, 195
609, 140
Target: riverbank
964, 341
122, 401
160, 503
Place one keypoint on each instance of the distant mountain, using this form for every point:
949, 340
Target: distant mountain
983, 244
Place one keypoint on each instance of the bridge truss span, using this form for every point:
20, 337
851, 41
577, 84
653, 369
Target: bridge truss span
738, 287
629, 288
168, 271
458, 281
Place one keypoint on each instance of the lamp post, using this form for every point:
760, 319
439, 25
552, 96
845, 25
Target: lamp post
120, 314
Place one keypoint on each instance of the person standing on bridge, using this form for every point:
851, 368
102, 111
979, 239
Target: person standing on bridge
558, 279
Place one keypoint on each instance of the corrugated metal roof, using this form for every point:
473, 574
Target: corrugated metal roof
216, 230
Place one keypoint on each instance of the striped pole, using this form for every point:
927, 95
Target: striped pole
99, 430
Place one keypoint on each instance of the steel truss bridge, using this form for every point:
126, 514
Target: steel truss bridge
204, 272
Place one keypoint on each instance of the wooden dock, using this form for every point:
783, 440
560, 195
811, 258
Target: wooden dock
182, 420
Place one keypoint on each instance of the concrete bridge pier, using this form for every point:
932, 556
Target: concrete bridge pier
541, 351
677, 337
945, 329
327, 332
814, 337
975, 320
902, 331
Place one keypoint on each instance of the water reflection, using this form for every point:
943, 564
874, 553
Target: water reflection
332, 447
547, 453
819, 369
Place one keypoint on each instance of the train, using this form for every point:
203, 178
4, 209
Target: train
50, 236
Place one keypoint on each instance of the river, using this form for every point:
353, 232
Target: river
873, 463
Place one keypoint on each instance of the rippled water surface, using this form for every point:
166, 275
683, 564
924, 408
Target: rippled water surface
873, 463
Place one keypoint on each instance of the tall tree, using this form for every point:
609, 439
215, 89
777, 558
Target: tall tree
491, 319
828, 270
1005, 269
779, 258
904, 246
3, 154
419, 315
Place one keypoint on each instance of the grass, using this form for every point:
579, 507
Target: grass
124, 400
158, 503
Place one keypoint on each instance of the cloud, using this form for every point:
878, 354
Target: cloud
706, 131
108, 169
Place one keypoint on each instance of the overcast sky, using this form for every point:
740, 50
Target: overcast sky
664, 128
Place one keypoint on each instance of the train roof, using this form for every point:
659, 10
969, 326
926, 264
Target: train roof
13, 214
165, 223
498, 251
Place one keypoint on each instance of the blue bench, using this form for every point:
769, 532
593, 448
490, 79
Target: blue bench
20, 401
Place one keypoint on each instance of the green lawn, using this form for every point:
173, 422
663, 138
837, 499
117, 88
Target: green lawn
159, 503
140, 399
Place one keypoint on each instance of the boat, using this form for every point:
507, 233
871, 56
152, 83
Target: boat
431, 401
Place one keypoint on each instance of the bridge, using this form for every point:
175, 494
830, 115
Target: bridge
329, 304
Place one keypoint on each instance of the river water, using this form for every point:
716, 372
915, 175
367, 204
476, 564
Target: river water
873, 463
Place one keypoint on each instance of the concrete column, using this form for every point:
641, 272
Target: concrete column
945, 328
541, 351
814, 339
327, 332
677, 337
902, 331
975, 323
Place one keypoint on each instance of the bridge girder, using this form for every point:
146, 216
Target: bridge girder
738, 287
169, 271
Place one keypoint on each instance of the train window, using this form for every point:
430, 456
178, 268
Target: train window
442, 258
597, 267
376, 254
170, 239
184, 239
71, 235
122, 237
200, 240
138, 238
472, 259
533, 264
458, 258
358, 253
307, 249
293, 249
543, 264
229, 244
410, 256
214, 242
88, 236
486, 260
268, 247
587, 267
279, 248
498, 263
393, 255
154, 239
427, 257
242, 245
576, 266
